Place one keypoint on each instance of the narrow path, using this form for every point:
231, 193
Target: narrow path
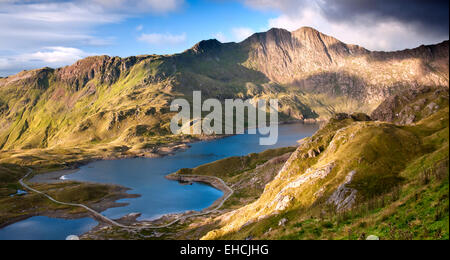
114, 223
95, 213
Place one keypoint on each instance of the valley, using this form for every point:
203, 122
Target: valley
378, 164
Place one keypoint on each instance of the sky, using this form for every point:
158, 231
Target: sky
55, 33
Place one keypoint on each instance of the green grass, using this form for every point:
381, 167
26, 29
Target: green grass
229, 167
401, 182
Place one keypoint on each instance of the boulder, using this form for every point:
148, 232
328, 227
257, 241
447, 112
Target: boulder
340, 116
72, 237
282, 222
312, 153
360, 117
372, 237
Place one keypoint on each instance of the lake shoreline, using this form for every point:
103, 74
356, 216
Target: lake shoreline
212, 181
120, 192
53, 177
171, 149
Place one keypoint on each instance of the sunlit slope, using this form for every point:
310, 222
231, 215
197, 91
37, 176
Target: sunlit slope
347, 168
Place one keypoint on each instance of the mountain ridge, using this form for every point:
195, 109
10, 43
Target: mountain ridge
204, 43
105, 99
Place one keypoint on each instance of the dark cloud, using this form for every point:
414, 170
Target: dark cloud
432, 15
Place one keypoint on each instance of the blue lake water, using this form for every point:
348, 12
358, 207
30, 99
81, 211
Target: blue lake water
45, 228
19, 193
159, 196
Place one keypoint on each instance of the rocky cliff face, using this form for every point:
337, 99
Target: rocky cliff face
412, 105
313, 62
284, 56
313, 76
106, 69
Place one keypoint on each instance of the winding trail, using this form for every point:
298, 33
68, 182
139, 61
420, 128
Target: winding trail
105, 219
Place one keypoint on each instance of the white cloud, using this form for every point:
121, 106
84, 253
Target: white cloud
283, 5
139, 28
386, 34
30, 26
49, 56
241, 33
33, 26
152, 6
162, 39
220, 37
54, 55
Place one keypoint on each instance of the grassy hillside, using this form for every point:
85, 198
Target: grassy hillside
356, 178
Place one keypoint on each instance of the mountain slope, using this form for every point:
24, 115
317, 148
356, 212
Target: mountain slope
124, 101
360, 170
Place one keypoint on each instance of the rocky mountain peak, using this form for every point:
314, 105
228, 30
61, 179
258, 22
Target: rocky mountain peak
273, 36
206, 46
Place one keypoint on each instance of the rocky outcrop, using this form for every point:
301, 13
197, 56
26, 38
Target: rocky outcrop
354, 116
411, 105
283, 200
204, 47
344, 197
106, 69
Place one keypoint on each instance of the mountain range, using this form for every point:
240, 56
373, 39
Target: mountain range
377, 166
125, 101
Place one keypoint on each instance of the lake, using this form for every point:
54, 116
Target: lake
159, 196
45, 228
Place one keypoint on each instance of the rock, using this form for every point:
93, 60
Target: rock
311, 175
372, 237
282, 200
360, 117
319, 193
409, 104
433, 106
282, 222
72, 237
340, 116
409, 120
207, 46
343, 197
312, 153
283, 203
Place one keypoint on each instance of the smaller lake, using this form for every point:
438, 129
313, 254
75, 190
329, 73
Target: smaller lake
45, 228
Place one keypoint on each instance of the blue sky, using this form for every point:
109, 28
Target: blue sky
181, 29
54, 33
